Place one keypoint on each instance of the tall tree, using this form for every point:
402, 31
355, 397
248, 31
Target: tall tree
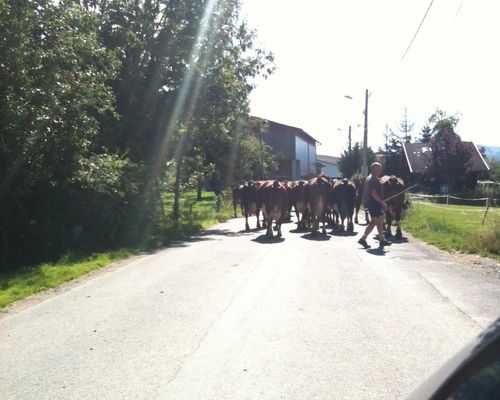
97, 95
54, 86
440, 120
186, 75
227, 64
393, 146
392, 151
449, 157
350, 162
495, 171
425, 134
405, 128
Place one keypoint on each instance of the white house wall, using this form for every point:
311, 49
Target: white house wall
331, 171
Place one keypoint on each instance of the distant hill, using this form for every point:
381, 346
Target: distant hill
492, 152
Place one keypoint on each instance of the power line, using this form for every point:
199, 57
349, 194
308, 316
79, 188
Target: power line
459, 9
418, 29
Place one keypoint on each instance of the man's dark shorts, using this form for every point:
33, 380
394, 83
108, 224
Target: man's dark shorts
375, 210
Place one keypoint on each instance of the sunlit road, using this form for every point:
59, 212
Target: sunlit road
229, 316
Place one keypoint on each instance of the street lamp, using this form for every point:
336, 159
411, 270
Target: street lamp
364, 166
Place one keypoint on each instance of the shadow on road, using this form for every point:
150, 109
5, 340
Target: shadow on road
319, 237
336, 232
208, 234
217, 232
263, 239
186, 242
243, 231
297, 230
377, 251
398, 241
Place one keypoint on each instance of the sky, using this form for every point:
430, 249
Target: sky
325, 50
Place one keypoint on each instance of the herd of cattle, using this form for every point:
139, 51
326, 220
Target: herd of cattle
317, 200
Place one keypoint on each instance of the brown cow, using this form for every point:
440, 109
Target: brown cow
274, 199
298, 199
393, 185
287, 216
332, 211
344, 197
236, 192
249, 202
360, 184
318, 195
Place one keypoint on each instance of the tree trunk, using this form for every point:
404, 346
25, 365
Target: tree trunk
178, 168
198, 191
3, 243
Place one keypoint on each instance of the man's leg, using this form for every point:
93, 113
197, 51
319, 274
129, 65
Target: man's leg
380, 228
370, 227
368, 230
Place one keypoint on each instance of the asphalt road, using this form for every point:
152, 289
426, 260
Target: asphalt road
228, 315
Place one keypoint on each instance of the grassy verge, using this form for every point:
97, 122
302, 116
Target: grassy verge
194, 215
27, 281
456, 228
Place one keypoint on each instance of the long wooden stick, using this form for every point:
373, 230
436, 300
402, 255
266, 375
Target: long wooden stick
396, 195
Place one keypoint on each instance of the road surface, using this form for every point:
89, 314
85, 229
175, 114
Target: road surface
229, 315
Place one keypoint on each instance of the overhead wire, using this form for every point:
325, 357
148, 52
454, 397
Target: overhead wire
459, 9
418, 29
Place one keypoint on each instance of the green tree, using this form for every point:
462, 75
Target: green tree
495, 170
441, 120
392, 152
155, 41
186, 74
253, 158
221, 118
394, 145
425, 134
435, 123
405, 128
350, 162
449, 157
98, 97
54, 86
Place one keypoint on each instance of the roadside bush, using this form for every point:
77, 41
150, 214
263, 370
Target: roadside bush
107, 190
488, 240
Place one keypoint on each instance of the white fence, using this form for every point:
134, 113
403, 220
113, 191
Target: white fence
446, 201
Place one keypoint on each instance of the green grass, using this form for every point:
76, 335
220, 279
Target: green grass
194, 215
456, 228
27, 281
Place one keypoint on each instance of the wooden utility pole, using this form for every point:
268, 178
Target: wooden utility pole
364, 167
261, 157
350, 142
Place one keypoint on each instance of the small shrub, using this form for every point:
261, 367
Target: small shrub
489, 239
